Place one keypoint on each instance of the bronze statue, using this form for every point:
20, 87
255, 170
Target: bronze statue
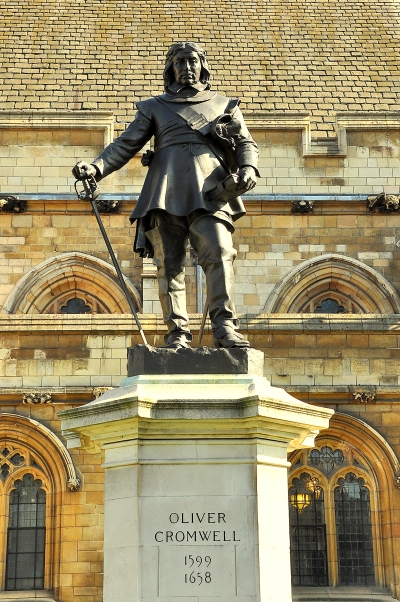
204, 158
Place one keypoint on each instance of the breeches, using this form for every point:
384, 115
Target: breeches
212, 240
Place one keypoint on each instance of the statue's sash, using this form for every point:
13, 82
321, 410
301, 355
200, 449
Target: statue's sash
192, 113
202, 124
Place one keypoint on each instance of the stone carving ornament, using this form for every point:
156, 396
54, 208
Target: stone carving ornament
36, 398
384, 203
11, 204
108, 205
73, 484
302, 206
97, 391
364, 397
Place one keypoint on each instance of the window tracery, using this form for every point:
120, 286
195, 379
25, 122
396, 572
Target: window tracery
333, 283
327, 301
326, 458
60, 281
12, 459
75, 306
329, 306
331, 530
76, 302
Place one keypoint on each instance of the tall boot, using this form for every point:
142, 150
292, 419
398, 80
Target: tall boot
169, 244
213, 242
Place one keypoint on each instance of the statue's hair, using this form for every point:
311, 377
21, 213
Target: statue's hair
168, 74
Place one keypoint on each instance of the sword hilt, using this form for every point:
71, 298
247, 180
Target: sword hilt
90, 190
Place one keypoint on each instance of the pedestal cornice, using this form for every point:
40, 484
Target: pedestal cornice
197, 406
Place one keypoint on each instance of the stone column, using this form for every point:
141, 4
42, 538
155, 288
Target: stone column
196, 483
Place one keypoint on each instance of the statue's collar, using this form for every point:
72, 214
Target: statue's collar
176, 88
196, 93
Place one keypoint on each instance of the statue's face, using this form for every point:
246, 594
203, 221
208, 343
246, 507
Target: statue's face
187, 67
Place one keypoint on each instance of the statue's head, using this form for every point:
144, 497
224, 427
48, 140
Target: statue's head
185, 48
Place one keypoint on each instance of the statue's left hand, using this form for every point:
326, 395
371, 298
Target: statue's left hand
247, 178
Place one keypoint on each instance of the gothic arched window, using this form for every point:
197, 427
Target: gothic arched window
331, 531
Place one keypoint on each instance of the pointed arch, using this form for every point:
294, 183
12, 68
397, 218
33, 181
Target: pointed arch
28, 447
344, 280
370, 444
49, 286
57, 465
377, 456
370, 457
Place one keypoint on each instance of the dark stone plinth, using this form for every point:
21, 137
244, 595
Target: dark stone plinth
143, 359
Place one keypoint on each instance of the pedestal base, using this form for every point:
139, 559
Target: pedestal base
144, 359
196, 485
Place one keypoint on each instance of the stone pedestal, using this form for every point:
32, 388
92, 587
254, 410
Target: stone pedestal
196, 485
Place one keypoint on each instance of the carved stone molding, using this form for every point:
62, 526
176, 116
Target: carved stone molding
364, 397
328, 146
302, 206
97, 391
384, 203
11, 204
370, 292
57, 279
102, 121
36, 398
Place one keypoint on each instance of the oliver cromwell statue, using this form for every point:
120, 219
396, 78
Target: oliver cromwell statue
200, 140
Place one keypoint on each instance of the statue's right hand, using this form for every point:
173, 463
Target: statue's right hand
83, 170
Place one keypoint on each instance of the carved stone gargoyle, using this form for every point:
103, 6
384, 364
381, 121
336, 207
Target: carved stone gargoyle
108, 205
384, 203
36, 398
302, 206
364, 397
11, 204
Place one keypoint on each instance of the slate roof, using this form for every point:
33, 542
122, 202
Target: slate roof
320, 56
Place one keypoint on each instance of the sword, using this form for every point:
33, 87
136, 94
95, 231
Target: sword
203, 321
91, 192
